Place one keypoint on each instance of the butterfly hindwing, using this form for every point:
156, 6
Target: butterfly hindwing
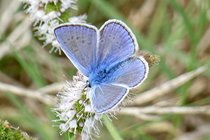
131, 72
79, 43
107, 96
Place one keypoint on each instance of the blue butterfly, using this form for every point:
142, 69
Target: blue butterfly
106, 57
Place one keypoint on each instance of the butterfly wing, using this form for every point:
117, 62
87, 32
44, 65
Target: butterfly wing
79, 43
107, 96
116, 44
131, 72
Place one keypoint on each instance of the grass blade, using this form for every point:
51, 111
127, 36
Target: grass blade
112, 130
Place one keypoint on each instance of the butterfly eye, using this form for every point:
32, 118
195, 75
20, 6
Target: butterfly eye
88, 84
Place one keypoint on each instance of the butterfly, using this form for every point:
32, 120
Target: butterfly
106, 56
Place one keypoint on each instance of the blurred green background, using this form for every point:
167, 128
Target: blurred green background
176, 30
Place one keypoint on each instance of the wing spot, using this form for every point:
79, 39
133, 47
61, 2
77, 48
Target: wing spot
77, 38
72, 37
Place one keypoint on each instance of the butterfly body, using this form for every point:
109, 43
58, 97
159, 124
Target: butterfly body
106, 57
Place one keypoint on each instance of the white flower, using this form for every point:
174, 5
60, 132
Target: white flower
74, 111
78, 19
67, 4
45, 19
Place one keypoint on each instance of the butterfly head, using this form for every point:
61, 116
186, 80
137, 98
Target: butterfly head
88, 85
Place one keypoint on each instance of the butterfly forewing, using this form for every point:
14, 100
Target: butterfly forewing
116, 43
79, 44
106, 96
